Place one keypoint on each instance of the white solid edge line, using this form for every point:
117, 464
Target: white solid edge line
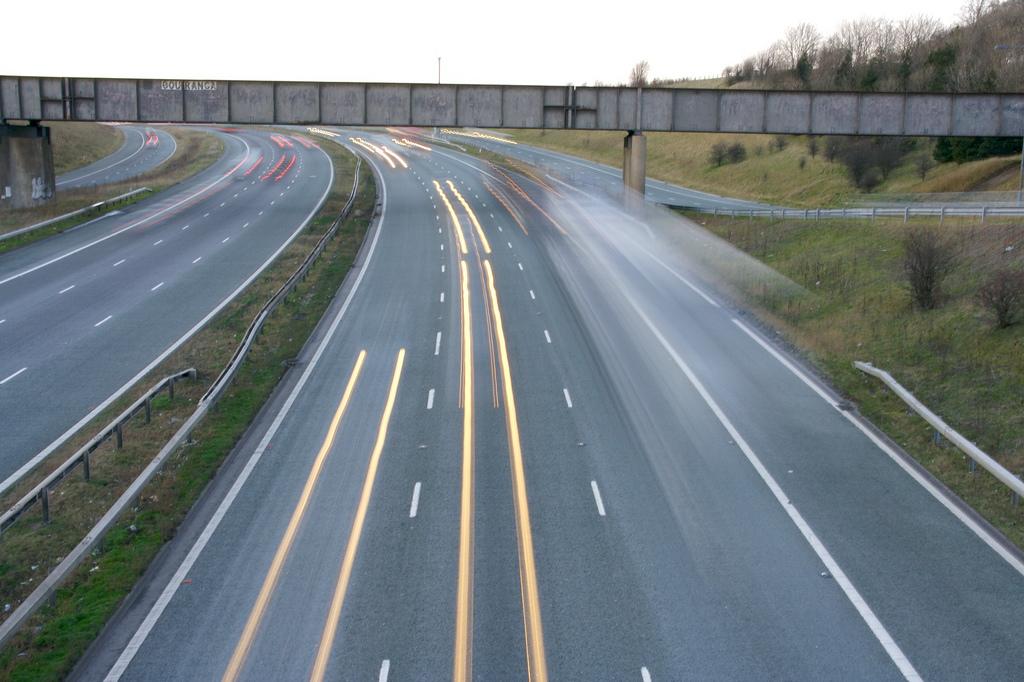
116, 163
645, 674
568, 400
129, 227
125, 659
415, 505
430, 399
385, 666
874, 624
597, 498
28, 466
13, 375
935, 492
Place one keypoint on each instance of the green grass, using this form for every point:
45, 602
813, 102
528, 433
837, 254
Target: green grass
79, 144
776, 177
56, 637
850, 303
196, 151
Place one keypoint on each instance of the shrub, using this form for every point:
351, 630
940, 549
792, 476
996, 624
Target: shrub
927, 259
1003, 295
719, 153
737, 153
812, 146
924, 163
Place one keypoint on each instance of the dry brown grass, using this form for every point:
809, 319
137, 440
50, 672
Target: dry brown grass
78, 144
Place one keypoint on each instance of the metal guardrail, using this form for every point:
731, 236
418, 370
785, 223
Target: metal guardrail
92, 208
59, 574
977, 455
41, 491
905, 212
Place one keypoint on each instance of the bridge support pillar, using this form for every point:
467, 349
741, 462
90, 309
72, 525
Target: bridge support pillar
26, 166
634, 164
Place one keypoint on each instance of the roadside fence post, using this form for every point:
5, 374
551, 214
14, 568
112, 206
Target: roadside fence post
45, 499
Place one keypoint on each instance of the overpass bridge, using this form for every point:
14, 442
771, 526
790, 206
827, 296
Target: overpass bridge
26, 172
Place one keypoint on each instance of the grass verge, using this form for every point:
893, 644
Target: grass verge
850, 303
77, 144
772, 176
54, 639
196, 151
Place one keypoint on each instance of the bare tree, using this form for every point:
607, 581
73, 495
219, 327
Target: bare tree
639, 75
928, 258
913, 32
768, 60
973, 11
800, 40
1003, 295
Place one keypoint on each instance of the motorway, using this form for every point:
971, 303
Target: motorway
530, 441
85, 314
144, 148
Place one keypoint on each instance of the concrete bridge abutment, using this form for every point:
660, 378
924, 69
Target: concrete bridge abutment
26, 166
634, 164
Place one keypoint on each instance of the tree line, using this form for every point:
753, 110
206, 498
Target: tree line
913, 54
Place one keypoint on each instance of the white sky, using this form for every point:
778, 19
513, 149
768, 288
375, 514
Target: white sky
550, 42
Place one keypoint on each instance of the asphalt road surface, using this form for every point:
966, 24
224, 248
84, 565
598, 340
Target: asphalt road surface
85, 313
144, 148
530, 441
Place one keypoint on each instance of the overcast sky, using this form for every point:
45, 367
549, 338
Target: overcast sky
548, 42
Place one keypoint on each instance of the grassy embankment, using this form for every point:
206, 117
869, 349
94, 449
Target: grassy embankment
79, 144
56, 637
196, 151
852, 304
776, 177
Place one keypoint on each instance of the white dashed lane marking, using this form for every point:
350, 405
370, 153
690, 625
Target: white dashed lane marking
4, 381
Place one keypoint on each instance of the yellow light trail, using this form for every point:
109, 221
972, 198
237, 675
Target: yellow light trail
416, 144
507, 203
455, 219
393, 154
323, 654
462, 668
535, 658
472, 217
372, 149
270, 582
